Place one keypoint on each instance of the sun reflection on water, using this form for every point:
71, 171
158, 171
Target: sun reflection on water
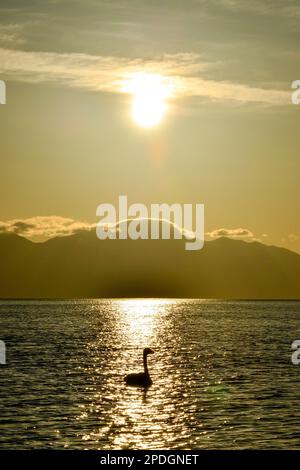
141, 319
120, 417
143, 416
135, 416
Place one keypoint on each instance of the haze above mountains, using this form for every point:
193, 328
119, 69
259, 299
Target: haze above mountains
81, 265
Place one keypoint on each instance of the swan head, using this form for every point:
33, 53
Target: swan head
148, 351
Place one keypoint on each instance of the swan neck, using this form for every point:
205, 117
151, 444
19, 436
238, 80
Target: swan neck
145, 363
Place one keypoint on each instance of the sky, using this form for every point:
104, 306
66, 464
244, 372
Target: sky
229, 138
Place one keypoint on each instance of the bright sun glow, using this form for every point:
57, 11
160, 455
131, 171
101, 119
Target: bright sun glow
149, 92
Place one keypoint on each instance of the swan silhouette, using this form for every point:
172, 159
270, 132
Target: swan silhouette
142, 379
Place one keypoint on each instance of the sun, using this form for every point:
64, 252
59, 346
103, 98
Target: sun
149, 96
148, 109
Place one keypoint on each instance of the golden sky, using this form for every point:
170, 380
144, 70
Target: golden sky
229, 137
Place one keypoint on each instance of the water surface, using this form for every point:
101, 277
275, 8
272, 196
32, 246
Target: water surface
222, 375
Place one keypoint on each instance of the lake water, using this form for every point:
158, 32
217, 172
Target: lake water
222, 375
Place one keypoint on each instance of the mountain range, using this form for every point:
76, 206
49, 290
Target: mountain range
81, 265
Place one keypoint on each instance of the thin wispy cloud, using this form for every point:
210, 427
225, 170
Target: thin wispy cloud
11, 35
44, 227
41, 228
293, 237
242, 233
284, 8
109, 73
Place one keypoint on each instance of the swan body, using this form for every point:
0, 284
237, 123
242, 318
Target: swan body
141, 379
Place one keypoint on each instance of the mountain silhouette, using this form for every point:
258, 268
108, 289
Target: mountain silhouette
81, 265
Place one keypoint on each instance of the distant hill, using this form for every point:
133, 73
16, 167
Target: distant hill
83, 266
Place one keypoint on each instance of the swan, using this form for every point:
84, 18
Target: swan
142, 379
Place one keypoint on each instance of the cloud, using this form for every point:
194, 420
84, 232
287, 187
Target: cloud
10, 35
184, 72
231, 233
174, 228
44, 227
293, 238
289, 9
